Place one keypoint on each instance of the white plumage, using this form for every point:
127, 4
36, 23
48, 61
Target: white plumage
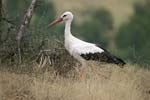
77, 47
82, 50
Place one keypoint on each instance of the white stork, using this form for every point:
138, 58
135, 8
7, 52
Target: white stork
82, 50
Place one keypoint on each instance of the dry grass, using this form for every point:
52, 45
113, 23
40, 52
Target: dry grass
105, 83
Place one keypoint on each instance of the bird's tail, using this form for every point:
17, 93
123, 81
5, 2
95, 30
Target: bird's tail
114, 59
111, 58
118, 61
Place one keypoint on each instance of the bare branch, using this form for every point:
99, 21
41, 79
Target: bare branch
25, 21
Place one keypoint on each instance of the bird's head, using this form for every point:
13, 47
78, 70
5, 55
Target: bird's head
66, 16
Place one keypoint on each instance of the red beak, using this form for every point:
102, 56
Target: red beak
55, 22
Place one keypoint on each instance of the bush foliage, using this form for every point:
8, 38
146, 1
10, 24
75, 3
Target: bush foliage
133, 37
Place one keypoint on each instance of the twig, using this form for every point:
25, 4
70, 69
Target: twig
59, 42
8, 21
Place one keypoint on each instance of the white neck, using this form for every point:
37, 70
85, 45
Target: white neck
68, 28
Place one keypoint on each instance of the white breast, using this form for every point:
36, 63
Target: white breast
76, 47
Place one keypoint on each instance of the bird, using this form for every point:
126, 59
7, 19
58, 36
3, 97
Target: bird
81, 50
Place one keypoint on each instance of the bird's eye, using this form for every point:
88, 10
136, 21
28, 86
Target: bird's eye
64, 15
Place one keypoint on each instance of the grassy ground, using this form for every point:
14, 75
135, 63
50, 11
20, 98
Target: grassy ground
107, 82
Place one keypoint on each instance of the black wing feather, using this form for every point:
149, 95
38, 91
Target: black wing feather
103, 57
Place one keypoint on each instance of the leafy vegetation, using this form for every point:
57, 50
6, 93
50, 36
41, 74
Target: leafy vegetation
60, 79
133, 37
95, 30
129, 38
